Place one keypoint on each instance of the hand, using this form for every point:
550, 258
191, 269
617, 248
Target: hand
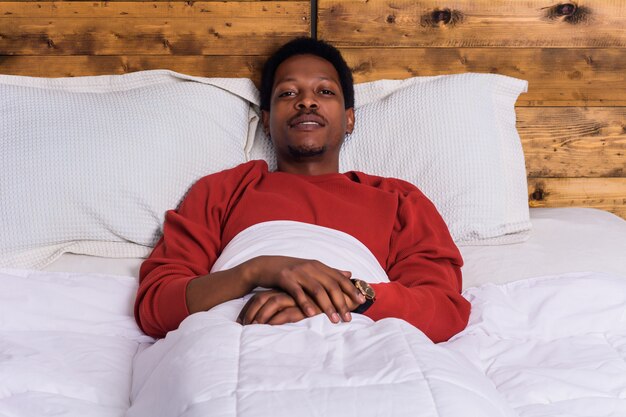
313, 285
277, 307
271, 307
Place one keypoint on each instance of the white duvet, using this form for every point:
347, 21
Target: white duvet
547, 346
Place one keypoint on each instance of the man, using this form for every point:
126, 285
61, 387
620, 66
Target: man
307, 101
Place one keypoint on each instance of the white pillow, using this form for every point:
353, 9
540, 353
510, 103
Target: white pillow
90, 164
452, 136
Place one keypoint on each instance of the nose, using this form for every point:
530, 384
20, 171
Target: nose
307, 101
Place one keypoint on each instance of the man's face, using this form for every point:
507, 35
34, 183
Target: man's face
307, 117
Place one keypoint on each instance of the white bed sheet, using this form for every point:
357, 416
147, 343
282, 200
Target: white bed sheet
562, 240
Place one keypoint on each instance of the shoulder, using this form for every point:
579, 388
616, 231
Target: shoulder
233, 176
222, 185
388, 184
247, 168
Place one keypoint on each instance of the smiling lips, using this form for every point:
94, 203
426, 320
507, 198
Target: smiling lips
307, 121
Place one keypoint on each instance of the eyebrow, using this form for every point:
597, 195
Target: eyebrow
288, 79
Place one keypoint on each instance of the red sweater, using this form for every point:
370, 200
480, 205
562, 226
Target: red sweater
399, 225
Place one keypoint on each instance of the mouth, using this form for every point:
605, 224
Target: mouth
307, 122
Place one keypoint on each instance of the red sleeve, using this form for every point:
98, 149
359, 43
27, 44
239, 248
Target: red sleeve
188, 248
424, 270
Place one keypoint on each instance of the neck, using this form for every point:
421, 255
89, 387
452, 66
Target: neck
309, 167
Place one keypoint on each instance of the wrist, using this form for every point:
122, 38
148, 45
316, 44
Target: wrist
250, 271
368, 292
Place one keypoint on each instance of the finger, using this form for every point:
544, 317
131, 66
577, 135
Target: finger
350, 290
343, 280
243, 311
274, 304
323, 297
321, 284
337, 284
295, 289
253, 305
338, 298
287, 315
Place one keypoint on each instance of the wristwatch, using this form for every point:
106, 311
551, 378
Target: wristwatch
367, 291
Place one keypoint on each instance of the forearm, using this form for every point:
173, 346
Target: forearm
438, 312
169, 293
207, 291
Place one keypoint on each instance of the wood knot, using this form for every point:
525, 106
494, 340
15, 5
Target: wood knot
567, 9
442, 16
569, 13
538, 195
391, 19
362, 68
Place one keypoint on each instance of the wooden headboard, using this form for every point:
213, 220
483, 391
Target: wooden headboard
572, 121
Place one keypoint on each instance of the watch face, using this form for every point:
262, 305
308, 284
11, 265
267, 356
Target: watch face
369, 292
366, 289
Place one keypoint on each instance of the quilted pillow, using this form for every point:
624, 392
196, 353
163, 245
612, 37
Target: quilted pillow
90, 164
452, 136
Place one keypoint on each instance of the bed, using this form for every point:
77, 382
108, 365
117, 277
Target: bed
523, 158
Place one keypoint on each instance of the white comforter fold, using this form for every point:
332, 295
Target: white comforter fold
67, 342
551, 346
212, 366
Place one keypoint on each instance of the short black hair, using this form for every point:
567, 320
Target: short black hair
306, 46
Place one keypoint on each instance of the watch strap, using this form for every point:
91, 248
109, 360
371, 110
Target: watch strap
363, 307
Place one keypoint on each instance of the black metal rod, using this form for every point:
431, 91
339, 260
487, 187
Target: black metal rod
314, 19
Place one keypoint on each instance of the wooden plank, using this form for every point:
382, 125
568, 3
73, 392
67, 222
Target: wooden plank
72, 66
146, 36
245, 9
602, 193
222, 30
557, 77
573, 141
472, 23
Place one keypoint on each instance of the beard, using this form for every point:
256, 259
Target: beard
301, 152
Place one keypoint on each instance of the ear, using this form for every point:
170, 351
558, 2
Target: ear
265, 119
349, 120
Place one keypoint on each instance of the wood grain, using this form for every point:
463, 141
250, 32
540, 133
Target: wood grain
73, 66
556, 77
220, 28
243, 9
602, 193
573, 141
471, 23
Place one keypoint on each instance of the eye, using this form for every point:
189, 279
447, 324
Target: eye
327, 92
287, 94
